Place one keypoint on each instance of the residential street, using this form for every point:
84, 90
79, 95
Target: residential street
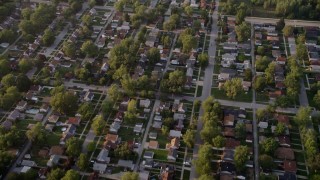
207, 84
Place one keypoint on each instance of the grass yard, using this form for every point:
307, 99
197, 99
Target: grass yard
127, 134
243, 96
186, 175
160, 154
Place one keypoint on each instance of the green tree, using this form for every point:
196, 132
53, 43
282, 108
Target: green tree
287, 31
98, 125
123, 151
206, 177
153, 55
130, 176
86, 20
189, 138
248, 74
36, 134
86, 110
219, 141
240, 157
188, 11
280, 129
82, 73
240, 131
55, 174
269, 145
82, 162
173, 82
259, 83
92, 3
233, 87
4, 67
8, 80
303, 116
25, 65
89, 48
261, 50
188, 42
269, 73
64, 102
114, 92
73, 147
166, 41
5, 159
203, 60
203, 163
91, 146
7, 35
165, 130
266, 161
106, 107
48, 37
71, 175
243, 31
196, 25
69, 49
209, 132
316, 99
262, 63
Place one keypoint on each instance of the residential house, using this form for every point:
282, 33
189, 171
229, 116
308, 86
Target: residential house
21, 106
281, 60
228, 120
231, 143
227, 168
56, 150
172, 155
103, 156
144, 103
53, 118
38, 117
44, 108
126, 164
157, 125
111, 141
74, 120
282, 118
174, 143
229, 132
290, 166
119, 117
88, 96
174, 133
14, 115
284, 153
68, 133
7, 124
138, 128
148, 155
35, 89
114, 127
179, 126
246, 85
153, 135
226, 74
153, 145
228, 155
284, 141
287, 176
99, 167
179, 116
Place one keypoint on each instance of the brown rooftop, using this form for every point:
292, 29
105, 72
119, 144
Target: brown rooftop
284, 153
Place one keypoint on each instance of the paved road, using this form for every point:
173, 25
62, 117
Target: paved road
254, 106
58, 39
156, 104
207, 84
292, 22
